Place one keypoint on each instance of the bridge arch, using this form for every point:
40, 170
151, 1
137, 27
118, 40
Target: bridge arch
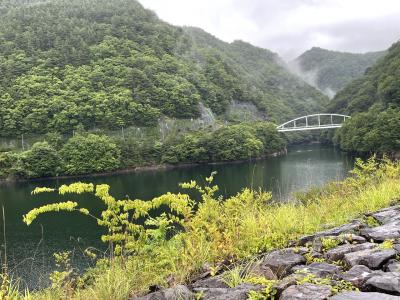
313, 122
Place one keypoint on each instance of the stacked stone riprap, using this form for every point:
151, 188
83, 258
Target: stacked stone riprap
357, 257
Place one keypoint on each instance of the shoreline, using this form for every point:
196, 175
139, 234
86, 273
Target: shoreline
150, 168
359, 254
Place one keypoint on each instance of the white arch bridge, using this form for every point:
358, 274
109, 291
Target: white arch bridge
313, 122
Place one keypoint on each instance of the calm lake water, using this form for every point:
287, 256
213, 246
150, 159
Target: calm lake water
30, 249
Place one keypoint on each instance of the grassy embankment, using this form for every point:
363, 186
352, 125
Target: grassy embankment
213, 231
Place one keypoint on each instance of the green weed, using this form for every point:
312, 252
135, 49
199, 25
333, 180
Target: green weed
213, 230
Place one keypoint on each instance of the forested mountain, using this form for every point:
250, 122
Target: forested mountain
373, 101
330, 71
106, 64
266, 82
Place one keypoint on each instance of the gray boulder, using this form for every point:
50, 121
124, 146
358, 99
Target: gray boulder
396, 248
211, 282
260, 270
288, 281
318, 269
281, 262
307, 291
238, 293
347, 238
339, 252
350, 238
392, 266
387, 215
387, 282
372, 258
295, 250
180, 292
363, 296
384, 232
357, 275
352, 227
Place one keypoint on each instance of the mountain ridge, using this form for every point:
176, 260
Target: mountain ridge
329, 70
374, 103
95, 63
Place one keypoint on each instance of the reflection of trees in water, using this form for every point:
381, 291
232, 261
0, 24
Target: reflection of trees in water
283, 175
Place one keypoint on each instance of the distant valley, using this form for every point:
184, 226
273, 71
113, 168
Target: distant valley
330, 71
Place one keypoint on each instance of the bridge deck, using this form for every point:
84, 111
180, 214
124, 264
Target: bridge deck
301, 128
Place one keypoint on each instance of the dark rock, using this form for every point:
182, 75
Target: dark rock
211, 293
260, 270
352, 227
339, 252
280, 262
350, 238
307, 291
357, 275
315, 254
317, 245
180, 292
238, 293
290, 280
387, 215
318, 269
392, 266
347, 238
296, 250
372, 258
154, 288
212, 282
396, 248
387, 282
363, 296
384, 232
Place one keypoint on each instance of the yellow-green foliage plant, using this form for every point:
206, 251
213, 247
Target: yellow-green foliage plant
328, 243
337, 286
215, 229
125, 234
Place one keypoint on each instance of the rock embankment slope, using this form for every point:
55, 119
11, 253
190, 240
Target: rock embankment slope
359, 260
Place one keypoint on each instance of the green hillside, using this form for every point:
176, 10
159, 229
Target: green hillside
264, 78
374, 103
331, 71
107, 64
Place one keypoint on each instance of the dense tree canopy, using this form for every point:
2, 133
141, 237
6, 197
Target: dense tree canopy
107, 64
90, 153
331, 71
84, 154
372, 131
374, 103
379, 85
40, 161
235, 142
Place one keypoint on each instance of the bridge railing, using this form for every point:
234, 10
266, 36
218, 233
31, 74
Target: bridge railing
303, 123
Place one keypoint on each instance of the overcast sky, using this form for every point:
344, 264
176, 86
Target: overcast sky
290, 27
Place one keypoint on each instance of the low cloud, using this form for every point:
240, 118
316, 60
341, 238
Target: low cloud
290, 27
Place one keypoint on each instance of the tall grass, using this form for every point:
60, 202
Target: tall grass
226, 230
